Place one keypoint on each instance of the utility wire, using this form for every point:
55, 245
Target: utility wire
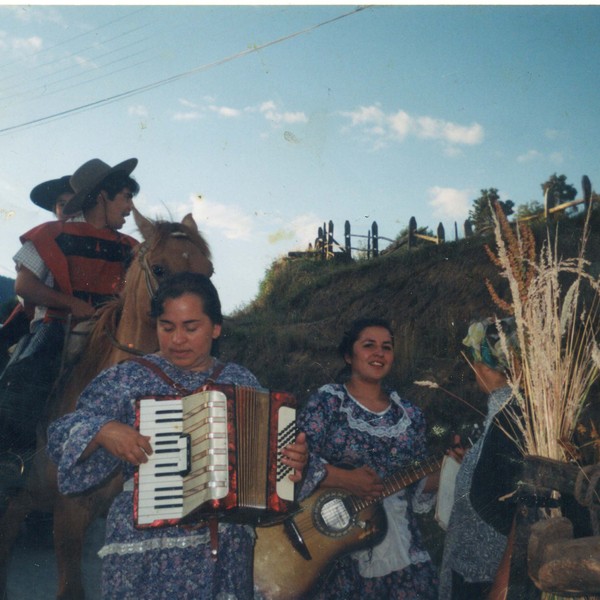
70, 39
156, 84
29, 93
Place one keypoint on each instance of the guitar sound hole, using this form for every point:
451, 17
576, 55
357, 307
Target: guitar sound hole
331, 516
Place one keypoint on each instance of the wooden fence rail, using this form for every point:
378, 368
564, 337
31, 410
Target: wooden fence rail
327, 248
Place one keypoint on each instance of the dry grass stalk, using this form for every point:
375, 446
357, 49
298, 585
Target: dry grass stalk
557, 337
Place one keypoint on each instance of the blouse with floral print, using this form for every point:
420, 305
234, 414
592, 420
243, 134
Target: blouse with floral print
151, 563
340, 431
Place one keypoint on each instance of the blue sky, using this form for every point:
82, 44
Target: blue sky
383, 114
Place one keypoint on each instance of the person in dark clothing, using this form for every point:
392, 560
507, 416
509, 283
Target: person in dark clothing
473, 549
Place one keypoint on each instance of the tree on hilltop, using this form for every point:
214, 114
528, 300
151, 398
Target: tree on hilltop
481, 213
530, 210
558, 190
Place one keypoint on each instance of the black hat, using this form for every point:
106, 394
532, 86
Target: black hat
46, 194
88, 176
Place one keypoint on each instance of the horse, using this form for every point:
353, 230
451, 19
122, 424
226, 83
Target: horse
121, 328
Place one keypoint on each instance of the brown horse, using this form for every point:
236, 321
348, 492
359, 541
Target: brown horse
122, 328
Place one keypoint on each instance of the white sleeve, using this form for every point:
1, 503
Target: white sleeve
29, 257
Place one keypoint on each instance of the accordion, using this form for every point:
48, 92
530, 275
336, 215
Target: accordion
216, 452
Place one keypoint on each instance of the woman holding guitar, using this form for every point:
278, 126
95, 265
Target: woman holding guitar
369, 428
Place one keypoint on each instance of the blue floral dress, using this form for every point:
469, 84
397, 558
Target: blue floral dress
154, 563
341, 431
472, 547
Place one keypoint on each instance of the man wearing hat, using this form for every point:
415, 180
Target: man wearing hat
66, 269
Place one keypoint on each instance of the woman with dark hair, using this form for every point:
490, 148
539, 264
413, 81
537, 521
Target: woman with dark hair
369, 427
99, 438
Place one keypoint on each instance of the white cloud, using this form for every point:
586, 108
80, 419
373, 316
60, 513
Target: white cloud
460, 134
230, 220
529, 156
367, 115
557, 158
452, 151
139, 110
397, 126
29, 13
400, 124
84, 62
187, 103
301, 230
270, 112
225, 111
267, 109
28, 45
449, 202
192, 115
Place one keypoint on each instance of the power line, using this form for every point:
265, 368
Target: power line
161, 82
29, 93
70, 39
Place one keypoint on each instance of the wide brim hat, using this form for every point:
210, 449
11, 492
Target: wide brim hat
90, 175
46, 194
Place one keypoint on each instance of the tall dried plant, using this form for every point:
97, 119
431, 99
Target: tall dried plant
559, 357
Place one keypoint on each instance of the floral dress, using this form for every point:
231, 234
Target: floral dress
153, 563
340, 431
472, 547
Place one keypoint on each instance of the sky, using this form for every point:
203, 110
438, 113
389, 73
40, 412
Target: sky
267, 121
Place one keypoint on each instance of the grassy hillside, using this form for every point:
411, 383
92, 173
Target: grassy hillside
288, 336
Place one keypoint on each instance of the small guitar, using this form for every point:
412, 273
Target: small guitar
291, 558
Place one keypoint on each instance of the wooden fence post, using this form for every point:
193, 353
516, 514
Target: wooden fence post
375, 232
586, 186
468, 227
412, 228
441, 234
347, 236
320, 242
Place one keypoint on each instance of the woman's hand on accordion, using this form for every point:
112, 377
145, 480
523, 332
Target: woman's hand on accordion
124, 442
296, 456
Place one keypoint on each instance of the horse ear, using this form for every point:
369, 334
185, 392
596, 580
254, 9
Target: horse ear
144, 225
189, 221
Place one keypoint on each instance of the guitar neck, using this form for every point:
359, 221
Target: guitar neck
402, 479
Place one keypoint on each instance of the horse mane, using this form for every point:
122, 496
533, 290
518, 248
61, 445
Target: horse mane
106, 319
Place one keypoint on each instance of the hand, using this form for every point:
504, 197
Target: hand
456, 450
124, 442
81, 310
296, 456
363, 482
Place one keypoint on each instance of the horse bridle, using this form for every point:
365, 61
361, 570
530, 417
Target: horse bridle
151, 286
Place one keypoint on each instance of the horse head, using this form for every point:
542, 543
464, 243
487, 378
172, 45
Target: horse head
168, 247
171, 247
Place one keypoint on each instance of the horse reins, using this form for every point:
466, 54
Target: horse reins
151, 286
